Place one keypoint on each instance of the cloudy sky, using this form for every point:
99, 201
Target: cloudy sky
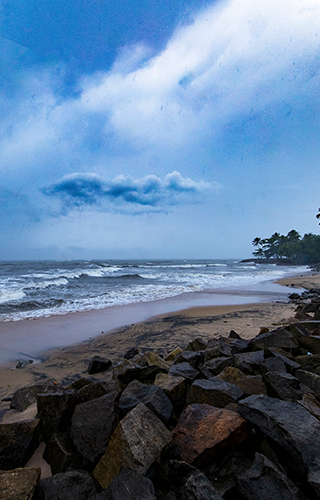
157, 129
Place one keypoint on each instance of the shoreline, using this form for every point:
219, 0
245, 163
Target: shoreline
36, 337
163, 331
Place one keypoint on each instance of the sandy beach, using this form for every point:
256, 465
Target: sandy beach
162, 333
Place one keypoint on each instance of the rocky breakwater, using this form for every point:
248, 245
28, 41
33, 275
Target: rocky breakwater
226, 419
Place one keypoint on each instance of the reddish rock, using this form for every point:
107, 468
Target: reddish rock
203, 431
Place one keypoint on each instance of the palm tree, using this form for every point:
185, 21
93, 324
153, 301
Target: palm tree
257, 241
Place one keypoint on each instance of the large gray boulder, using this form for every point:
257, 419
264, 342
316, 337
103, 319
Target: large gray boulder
135, 444
26, 396
214, 392
55, 410
18, 441
77, 485
150, 395
92, 425
290, 425
283, 386
184, 370
281, 337
61, 454
198, 487
264, 481
128, 485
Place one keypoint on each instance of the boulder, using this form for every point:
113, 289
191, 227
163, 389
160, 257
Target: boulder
203, 431
224, 348
19, 484
198, 487
77, 484
311, 343
214, 392
184, 370
92, 425
283, 386
174, 387
26, 396
239, 345
223, 473
264, 481
288, 424
216, 365
98, 389
150, 395
55, 411
249, 362
98, 364
152, 358
131, 353
311, 404
18, 441
314, 477
128, 485
272, 365
281, 337
61, 454
135, 444
174, 474
310, 363
79, 384
196, 345
142, 373
211, 352
191, 357
250, 384
289, 361
234, 335
311, 380
172, 355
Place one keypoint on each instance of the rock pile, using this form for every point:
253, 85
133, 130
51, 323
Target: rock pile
226, 419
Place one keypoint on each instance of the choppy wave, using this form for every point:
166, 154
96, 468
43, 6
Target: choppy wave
38, 289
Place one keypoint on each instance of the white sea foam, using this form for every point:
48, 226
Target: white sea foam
59, 289
11, 295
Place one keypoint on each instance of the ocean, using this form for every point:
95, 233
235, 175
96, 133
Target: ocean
35, 289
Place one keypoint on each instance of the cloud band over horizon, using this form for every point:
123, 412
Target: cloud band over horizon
89, 189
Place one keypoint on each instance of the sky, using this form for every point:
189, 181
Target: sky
157, 129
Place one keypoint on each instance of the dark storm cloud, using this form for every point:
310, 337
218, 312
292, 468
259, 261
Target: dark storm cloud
81, 189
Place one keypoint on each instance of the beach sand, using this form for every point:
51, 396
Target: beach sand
162, 333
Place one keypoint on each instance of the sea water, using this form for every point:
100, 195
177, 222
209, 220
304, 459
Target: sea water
34, 289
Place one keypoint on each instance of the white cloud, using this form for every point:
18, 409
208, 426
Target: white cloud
237, 58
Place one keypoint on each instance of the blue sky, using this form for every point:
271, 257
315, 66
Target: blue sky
157, 129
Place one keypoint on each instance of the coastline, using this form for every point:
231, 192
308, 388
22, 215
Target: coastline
32, 339
162, 332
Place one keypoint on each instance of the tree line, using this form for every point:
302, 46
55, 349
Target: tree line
292, 248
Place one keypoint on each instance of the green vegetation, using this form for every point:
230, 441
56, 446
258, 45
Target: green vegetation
291, 248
